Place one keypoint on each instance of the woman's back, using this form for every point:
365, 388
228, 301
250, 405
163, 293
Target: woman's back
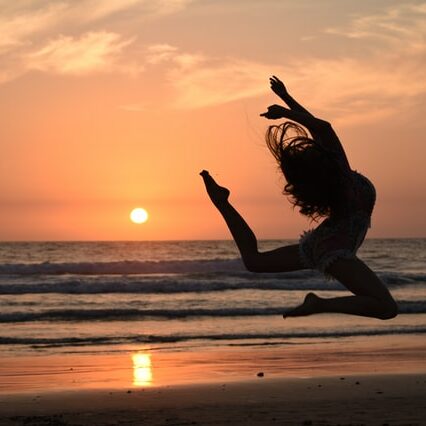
358, 196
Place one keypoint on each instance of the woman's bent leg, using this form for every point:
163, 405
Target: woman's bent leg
372, 298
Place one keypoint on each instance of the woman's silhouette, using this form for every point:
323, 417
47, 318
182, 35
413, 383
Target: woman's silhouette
321, 183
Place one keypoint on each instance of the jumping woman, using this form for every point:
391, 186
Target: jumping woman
321, 184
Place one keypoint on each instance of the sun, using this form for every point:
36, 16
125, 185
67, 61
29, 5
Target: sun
139, 215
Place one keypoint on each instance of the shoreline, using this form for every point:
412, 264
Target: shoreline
142, 367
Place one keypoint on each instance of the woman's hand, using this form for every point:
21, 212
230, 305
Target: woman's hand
277, 86
274, 112
218, 194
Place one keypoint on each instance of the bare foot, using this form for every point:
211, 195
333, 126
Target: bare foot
218, 194
309, 306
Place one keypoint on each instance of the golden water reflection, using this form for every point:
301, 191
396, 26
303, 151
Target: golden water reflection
142, 369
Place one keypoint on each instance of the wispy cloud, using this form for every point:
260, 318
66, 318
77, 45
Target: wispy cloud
352, 90
166, 7
349, 90
199, 80
401, 25
389, 77
100, 9
69, 37
350, 87
212, 82
94, 51
17, 26
159, 53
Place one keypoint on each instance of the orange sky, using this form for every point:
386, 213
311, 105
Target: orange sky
110, 105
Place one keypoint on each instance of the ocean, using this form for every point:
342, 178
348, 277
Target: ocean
90, 297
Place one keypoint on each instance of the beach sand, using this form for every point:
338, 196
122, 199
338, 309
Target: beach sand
345, 400
353, 381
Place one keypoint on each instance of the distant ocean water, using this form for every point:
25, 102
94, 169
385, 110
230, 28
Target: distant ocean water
94, 296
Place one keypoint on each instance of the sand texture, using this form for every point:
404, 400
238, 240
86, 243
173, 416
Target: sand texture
346, 400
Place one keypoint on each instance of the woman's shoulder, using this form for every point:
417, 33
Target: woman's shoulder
330, 142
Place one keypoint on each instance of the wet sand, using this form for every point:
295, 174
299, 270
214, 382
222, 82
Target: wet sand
345, 400
140, 367
354, 381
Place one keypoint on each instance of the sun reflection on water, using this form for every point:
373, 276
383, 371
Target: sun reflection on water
142, 369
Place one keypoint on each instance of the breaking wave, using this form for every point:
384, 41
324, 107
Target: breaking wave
405, 307
140, 338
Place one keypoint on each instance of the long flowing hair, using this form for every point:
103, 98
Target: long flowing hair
312, 174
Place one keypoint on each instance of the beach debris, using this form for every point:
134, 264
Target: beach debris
357, 383
129, 391
260, 374
342, 378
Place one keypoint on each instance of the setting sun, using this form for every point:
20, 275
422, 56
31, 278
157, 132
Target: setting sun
139, 215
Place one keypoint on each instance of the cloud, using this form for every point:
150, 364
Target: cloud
351, 90
91, 10
51, 35
199, 80
99, 9
93, 51
402, 26
203, 82
166, 7
16, 27
159, 53
346, 90
388, 78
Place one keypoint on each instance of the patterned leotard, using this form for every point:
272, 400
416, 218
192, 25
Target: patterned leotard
341, 235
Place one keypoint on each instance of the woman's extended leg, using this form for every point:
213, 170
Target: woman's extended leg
280, 260
372, 298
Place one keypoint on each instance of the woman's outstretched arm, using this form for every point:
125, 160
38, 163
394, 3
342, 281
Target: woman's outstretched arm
313, 124
278, 87
321, 130
282, 259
